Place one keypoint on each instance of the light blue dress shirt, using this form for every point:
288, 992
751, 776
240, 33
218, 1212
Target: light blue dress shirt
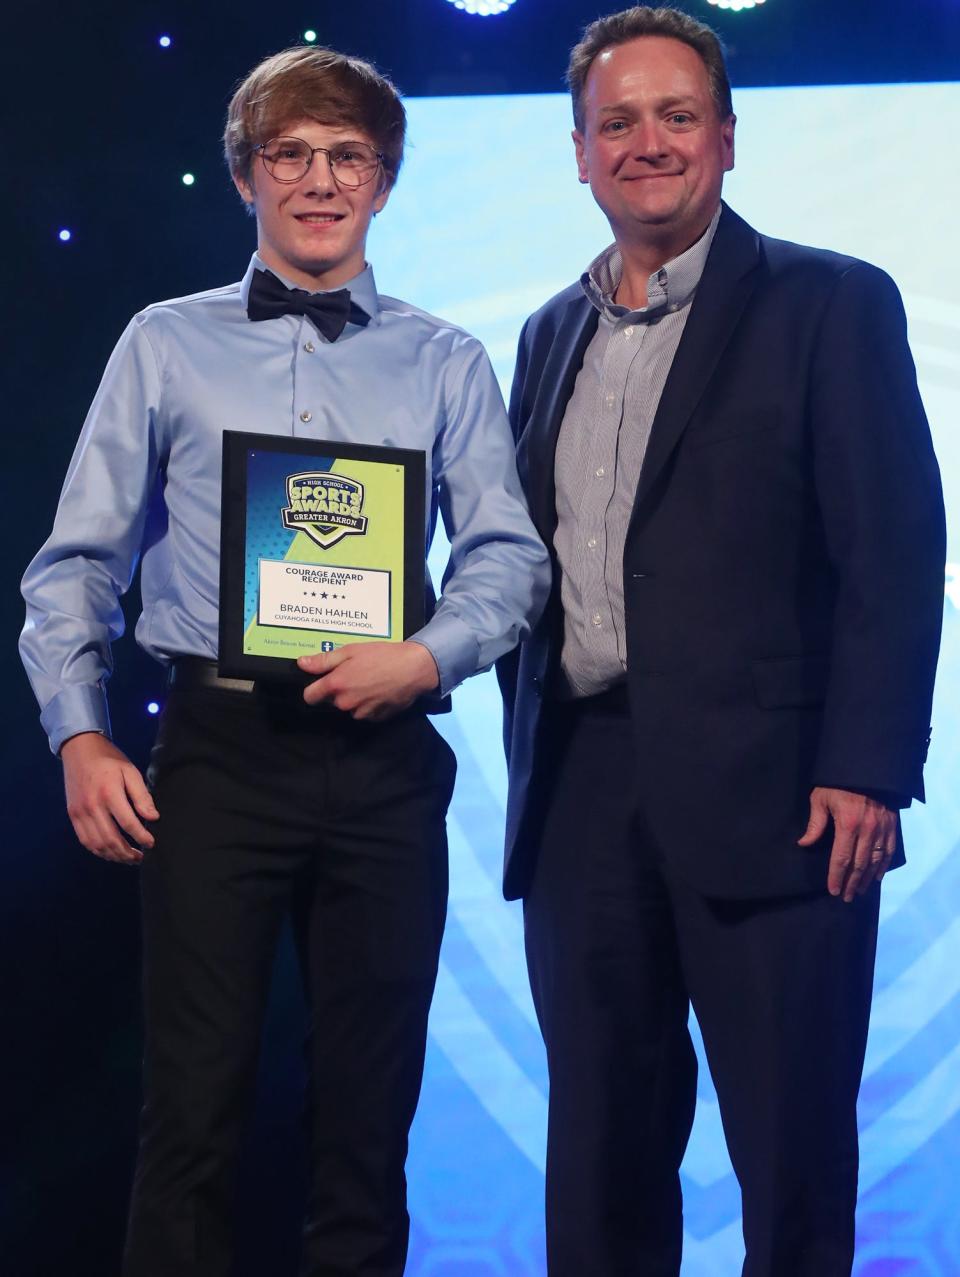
145, 478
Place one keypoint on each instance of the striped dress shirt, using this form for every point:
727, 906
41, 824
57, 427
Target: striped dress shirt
600, 450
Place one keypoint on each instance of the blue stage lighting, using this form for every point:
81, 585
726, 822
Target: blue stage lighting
310, 35
65, 235
153, 707
188, 179
482, 8
735, 5
165, 42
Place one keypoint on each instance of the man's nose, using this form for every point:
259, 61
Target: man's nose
319, 176
648, 140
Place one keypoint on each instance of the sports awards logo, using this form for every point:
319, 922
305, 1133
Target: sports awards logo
327, 507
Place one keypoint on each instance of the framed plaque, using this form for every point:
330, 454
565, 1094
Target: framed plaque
321, 544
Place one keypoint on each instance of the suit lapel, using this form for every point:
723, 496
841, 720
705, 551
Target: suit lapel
555, 386
726, 285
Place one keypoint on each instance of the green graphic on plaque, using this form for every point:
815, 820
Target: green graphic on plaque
340, 576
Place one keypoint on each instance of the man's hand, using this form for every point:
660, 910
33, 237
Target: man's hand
370, 680
106, 798
864, 838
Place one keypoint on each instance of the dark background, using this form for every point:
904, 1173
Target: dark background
99, 125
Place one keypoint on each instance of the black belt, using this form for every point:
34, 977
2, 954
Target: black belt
196, 672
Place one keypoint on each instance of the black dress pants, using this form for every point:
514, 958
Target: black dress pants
269, 808
618, 948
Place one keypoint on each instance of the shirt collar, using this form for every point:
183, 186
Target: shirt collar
362, 288
670, 288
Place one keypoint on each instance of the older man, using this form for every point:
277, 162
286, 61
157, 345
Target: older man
727, 701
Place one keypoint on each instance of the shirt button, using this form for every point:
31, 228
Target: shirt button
306, 416
597, 619
628, 331
600, 472
592, 543
610, 400
309, 347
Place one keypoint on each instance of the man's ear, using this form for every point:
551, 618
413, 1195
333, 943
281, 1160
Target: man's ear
380, 200
245, 186
727, 133
579, 146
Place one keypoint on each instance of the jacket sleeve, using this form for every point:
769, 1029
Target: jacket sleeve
878, 490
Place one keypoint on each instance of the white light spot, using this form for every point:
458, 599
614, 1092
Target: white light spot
483, 8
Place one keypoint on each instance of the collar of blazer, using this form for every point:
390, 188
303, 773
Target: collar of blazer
728, 280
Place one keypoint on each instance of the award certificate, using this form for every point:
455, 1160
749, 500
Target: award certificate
322, 544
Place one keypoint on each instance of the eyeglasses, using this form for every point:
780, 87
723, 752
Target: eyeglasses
288, 159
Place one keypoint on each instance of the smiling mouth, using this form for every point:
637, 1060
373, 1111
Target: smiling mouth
319, 219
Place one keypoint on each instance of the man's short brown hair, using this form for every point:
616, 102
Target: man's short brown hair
310, 82
642, 20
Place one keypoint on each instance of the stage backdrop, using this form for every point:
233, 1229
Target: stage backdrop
487, 221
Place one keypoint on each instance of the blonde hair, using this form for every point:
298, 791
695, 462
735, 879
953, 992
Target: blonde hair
310, 82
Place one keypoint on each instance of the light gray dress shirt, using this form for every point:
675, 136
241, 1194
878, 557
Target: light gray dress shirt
600, 451
145, 477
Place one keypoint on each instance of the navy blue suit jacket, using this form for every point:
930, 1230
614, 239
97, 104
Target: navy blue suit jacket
783, 568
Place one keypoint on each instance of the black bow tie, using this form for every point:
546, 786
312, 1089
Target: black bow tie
328, 312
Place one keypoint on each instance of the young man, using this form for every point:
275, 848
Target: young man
728, 697
332, 803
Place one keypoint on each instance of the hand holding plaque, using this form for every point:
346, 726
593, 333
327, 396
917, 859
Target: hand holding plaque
370, 680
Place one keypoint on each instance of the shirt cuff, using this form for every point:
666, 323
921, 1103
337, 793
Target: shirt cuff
79, 708
453, 646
